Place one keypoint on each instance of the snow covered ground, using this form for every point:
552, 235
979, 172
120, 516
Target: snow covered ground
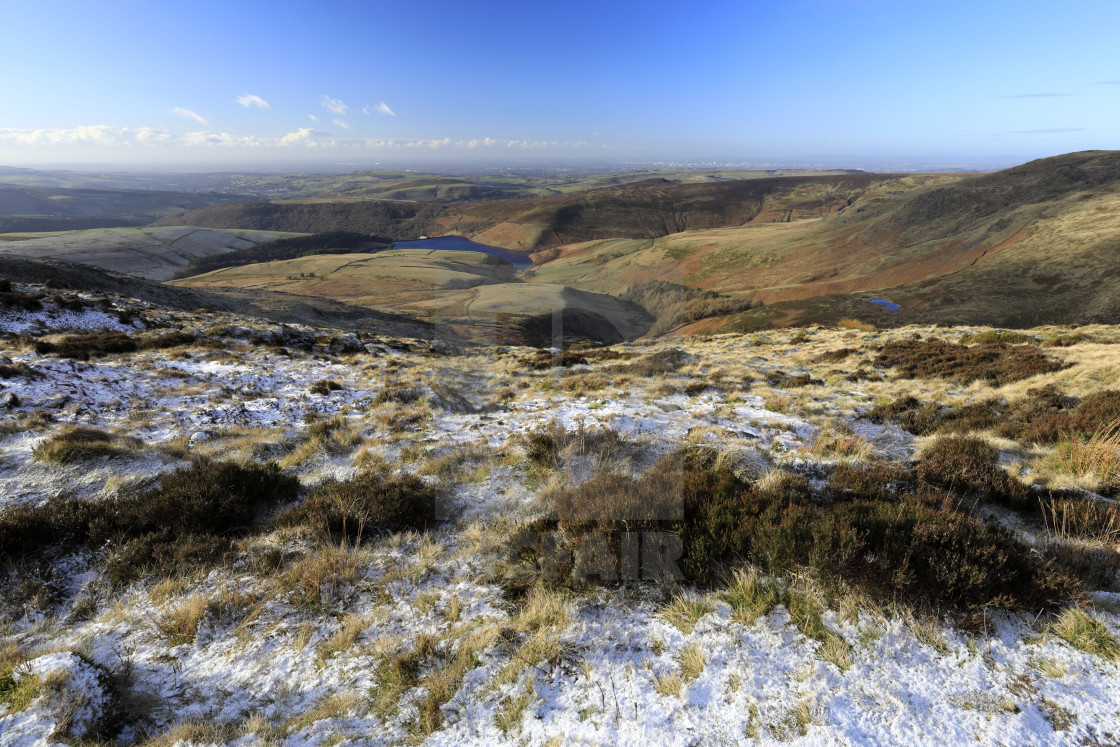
262, 667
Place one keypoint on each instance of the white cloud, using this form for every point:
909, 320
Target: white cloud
106, 137
383, 108
313, 117
302, 136
336, 106
251, 99
180, 111
82, 135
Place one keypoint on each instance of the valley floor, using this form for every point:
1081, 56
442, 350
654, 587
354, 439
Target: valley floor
410, 636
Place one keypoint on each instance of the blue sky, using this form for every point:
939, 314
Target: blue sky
854, 82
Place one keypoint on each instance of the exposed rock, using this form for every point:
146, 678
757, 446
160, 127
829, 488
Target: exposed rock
345, 343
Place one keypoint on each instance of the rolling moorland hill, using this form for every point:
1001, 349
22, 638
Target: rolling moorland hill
24, 208
1029, 245
644, 209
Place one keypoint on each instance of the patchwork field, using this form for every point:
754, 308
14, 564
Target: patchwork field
218, 530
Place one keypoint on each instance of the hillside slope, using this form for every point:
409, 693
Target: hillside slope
474, 293
1033, 244
153, 252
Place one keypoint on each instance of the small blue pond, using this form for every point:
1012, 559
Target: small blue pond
889, 306
460, 244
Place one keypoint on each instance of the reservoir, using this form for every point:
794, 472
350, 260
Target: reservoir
887, 304
460, 244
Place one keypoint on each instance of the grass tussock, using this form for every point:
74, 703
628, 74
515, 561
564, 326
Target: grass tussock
15, 693
856, 324
77, 444
1093, 463
180, 624
994, 362
1083, 631
685, 610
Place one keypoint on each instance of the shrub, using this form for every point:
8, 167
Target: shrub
324, 387
12, 371
165, 340
544, 359
990, 361
86, 346
193, 514
925, 418
655, 364
368, 504
22, 301
856, 324
834, 356
916, 547
1094, 412
969, 466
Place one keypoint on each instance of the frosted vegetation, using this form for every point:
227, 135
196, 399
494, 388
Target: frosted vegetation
217, 530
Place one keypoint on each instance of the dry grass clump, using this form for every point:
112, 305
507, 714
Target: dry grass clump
78, 443
551, 445
368, 504
856, 324
1093, 463
399, 393
438, 666
180, 624
164, 340
685, 610
14, 694
995, 362
751, 594
94, 344
785, 380
321, 578
996, 335
836, 439
1080, 518
1083, 631
511, 708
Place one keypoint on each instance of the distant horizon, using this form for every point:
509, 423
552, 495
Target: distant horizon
897, 164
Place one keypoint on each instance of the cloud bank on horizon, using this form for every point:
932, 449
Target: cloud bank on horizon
657, 82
